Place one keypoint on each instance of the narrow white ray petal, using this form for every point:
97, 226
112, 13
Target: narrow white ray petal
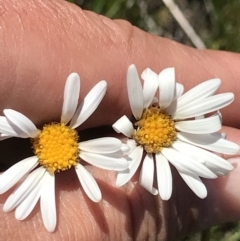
217, 170
24, 189
167, 87
200, 126
116, 154
88, 183
104, 161
178, 91
6, 128
146, 174
164, 176
89, 104
125, 149
135, 92
48, 202
219, 114
195, 184
213, 142
150, 86
199, 92
70, 98
186, 164
210, 159
131, 143
193, 96
224, 135
204, 106
27, 205
20, 121
10, 177
135, 158
200, 117
171, 109
5, 136
124, 126
101, 145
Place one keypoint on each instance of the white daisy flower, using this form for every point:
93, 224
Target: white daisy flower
57, 149
166, 130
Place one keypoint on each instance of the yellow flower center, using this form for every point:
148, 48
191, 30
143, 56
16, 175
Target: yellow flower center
57, 147
155, 130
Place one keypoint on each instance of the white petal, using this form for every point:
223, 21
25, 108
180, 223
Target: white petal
200, 117
146, 174
5, 136
186, 164
167, 87
194, 95
89, 104
211, 160
116, 154
6, 128
164, 176
70, 99
47, 202
101, 145
217, 170
135, 92
178, 91
199, 92
24, 189
88, 183
150, 86
20, 121
124, 126
131, 143
204, 106
195, 184
125, 148
224, 135
135, 158
217, 113
27, 205
104, 161
213, 142
200, 126
10, 177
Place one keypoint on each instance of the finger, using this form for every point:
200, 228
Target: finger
131, 212
41, 47
221, 205
123, 214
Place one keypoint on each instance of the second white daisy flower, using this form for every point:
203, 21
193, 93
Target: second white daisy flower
172, 129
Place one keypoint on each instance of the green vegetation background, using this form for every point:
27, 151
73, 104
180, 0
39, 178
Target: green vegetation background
217, 22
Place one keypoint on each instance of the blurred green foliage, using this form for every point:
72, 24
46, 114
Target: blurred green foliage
217, 22
226, 31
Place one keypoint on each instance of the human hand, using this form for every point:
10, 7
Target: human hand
64, 39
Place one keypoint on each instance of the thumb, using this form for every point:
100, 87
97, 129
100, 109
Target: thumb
42, 47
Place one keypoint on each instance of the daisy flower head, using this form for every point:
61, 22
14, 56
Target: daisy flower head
57, 148
173, 129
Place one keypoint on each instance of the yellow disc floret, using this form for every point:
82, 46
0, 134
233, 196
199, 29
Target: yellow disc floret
155, 130
57, 147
